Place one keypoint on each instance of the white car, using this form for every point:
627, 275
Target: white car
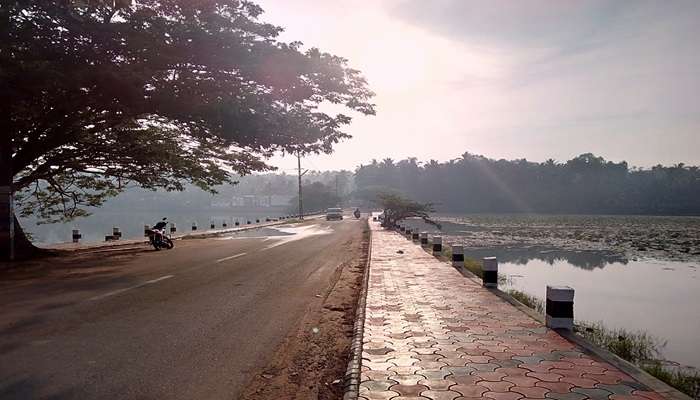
334, 214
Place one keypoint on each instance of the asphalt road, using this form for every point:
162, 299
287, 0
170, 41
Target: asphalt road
195, 322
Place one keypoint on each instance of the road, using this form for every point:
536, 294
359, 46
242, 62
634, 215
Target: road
195, 322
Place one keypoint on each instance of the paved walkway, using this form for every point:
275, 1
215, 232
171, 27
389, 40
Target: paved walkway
430, 333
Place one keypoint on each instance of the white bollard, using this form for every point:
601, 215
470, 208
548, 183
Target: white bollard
457, 255
76, 235
489, 270
437, 244
560, 307
424, 238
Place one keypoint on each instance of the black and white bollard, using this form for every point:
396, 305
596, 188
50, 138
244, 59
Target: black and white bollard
457, 255
437, 244
224, 224
76, 235
560, 307
402, 228
408, 233
414, 236
257, 220
236, 223
116, 233
173, 228
212, 225
424, 238
194, 226
248, 222
146, 228
489, 271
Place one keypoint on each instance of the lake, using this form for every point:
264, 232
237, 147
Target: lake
632, 272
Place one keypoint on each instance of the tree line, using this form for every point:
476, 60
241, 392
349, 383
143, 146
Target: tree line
586, 184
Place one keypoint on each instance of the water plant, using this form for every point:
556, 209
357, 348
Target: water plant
531, 301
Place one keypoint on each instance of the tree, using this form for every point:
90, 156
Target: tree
397, 208
317, 197
102, 95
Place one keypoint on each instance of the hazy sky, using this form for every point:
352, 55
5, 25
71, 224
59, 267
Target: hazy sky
512, 79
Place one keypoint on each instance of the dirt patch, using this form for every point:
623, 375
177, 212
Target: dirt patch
311, 363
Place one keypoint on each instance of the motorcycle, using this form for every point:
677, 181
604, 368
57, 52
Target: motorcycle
158, 237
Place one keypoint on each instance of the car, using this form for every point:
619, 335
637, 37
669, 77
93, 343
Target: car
334, 214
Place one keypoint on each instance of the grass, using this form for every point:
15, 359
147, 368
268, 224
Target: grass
685, 381
531, 301
473, 266
633, 346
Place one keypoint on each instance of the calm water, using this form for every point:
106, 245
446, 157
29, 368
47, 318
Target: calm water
658, 292
662, 298
95, 227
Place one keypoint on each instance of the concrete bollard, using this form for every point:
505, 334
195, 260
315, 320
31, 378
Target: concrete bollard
248, 222
116, 233
236, 223
489, 270
76, 235
224, 224
437, 244
457, 255
173, 228
146, 228
257, 220
424, 238
414, 236
560, 307
194, 226
212, 225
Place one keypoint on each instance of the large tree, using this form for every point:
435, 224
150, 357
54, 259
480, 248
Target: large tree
99, 95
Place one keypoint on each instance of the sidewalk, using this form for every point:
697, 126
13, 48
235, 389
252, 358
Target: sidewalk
430, 333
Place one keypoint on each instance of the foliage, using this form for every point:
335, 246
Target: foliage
687, 382
316, 197
584, 185
474, 266
530, 301
634, 347
156, 93
397, 208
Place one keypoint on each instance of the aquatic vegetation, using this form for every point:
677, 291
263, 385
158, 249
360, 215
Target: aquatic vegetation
687, 382
531, 301
633, 346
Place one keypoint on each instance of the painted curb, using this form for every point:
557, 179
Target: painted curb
352, 377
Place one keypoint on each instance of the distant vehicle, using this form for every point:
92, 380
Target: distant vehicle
334, 214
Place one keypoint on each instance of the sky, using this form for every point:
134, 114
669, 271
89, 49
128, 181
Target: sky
530, 79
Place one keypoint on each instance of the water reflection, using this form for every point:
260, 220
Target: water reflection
587, 260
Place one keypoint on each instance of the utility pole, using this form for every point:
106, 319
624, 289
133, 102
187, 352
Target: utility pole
301, 203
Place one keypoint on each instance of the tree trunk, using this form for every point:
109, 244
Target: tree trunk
14, 244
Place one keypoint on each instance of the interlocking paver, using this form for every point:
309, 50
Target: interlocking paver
432, 334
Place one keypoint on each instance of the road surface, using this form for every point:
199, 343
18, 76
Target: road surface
195, 322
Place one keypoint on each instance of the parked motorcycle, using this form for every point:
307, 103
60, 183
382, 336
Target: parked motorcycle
158, 236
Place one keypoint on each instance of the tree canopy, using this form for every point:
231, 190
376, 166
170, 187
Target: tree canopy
397, 208
103, 94
586, 184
